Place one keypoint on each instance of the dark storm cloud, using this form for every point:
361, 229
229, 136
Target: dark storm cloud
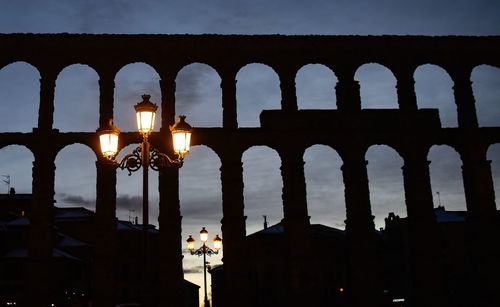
133, 89
209, 208
189, 82
137, 78
123, 202
92, 14
128, 202
192, 270
349, 17
73, 16
256, 17
75, 200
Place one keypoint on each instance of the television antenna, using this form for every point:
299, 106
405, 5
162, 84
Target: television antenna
7, 182
439, 199
130, 215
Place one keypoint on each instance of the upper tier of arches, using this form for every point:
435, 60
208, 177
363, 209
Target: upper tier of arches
166, 71
168, 54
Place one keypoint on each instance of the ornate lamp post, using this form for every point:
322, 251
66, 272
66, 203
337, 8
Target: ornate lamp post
146, 155
205, 250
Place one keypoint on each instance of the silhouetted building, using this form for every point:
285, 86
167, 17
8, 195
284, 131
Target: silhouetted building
268, 264
72, 255
328, 263
454, 256
14, 205
217, 277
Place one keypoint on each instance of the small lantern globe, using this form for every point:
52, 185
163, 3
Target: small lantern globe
203, 235
190, 242
108, 139
217, 243
146, 114
181, 136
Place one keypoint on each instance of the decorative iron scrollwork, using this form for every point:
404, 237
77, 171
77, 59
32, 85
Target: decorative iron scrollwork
159, 159
204, 250
132, 162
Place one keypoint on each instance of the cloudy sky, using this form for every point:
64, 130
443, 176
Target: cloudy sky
198, 96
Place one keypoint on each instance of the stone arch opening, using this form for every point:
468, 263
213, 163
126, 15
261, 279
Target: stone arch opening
16, 161
20, 96
76, 99
486, 87
132, 81
446, 178
325, 187
262, 187
386, 183
257, 89
200, 191
75, 179
129, 192
377, 87
198, 95
201, 206
433, 89
315, 86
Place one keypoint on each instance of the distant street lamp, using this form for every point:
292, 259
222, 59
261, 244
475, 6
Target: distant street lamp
146, 155
205, 250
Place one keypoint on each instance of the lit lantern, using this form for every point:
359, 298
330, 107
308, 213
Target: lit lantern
204, 235
190, 242
108, 138
217, 243
181, 136
146, 113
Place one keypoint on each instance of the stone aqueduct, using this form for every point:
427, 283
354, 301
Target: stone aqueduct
350, 130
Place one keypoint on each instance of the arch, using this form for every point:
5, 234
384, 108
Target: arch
325, 186
433, 89
257, 89
377, 86
129, 191
132, 81
75, 177
16, 161
76, 99
386, 183
143, 61
493, 155
20, 96
262, 187
315, 85
200, 186
486, 87
198, 95
200, 194
446, 178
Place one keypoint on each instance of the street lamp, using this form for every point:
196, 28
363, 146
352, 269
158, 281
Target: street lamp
145, 155
205, 250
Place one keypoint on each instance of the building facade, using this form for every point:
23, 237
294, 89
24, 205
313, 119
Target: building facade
72, 260
328, 264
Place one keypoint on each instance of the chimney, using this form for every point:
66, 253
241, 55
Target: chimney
265, 222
